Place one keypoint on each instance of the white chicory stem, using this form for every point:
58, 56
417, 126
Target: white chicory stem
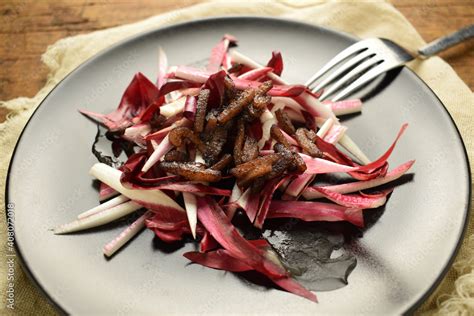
111, 177
106, 205
352, 147
335, 133
190, 204
159, 152
173, 108
162, 67
190, 201
345, 107
310, 193
325, 127
267, 119
234, 197
99, 219
118, 242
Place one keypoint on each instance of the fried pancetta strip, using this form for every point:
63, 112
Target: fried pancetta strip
285, 122
277, 135
201, 109
223, 163
214, 142
179, 135
244, 168
260, 170
308, 146
192, 171
236, 106
250, 150
297, 163
239, 142
176, 155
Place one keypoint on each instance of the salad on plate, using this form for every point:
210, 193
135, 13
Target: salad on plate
206, 146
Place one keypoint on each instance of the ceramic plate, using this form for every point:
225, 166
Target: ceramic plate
400, 258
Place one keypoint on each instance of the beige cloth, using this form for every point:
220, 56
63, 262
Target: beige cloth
456, 293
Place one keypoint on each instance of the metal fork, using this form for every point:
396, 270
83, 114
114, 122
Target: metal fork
369, 58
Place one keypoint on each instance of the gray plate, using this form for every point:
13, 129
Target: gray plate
400, 258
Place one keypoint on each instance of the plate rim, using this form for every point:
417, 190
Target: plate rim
467, 214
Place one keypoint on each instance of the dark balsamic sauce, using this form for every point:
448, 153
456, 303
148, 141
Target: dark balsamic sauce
313, 253
307, 255
110, 149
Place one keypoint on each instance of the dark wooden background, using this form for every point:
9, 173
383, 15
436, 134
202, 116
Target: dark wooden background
28, 27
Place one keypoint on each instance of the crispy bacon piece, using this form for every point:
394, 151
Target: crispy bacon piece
260, 102
297, 163
236, 106
255, 109
250, 150
264, 88
201, 109
278, 169
288, 160
179, 135
211, 119
277, 135
311, 135
251, 113
242, 169
260, 170
223, 163
214, 141
229, 88
305, 142
192, 171
239, 142
285, 122
254, 101
176, 155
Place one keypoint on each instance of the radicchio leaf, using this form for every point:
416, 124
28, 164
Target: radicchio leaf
219, 226
139, 94
215, 84
315, 211
362, 201
219, 52
312, 193
276, 62
190, 107
221, 259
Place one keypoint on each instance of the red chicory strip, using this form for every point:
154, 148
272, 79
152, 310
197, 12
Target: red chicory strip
190, 107
255, 74
355, 200
267, 195
312, 193
276, 62
315, 211
162, 68
219, 226
218, 53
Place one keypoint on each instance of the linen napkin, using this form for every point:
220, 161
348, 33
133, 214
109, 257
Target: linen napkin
455, 295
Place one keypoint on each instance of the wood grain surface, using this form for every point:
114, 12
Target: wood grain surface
28, 27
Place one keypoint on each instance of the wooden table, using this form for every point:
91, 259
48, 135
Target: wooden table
27, 27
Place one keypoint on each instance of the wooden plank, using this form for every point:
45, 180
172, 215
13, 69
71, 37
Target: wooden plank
27, 27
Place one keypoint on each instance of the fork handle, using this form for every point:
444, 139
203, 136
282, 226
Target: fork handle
447, 41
